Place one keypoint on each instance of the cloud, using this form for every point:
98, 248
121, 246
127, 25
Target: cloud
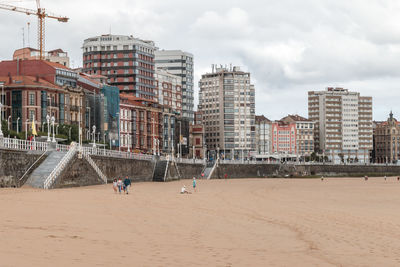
290, 47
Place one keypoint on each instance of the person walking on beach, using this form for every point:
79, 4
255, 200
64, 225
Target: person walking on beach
127, 184
119, 184
385, 177
366, 178
115, 186
398, 178
194, 184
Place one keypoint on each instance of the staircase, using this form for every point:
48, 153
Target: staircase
40, 174
159, 171
94, 166
208, 170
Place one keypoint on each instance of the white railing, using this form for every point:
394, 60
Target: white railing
190, 161
96, 168
60, 167
18, 144
115, 153
62, 148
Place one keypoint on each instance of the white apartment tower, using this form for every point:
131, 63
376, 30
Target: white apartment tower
226, 100
179, 63
343, 128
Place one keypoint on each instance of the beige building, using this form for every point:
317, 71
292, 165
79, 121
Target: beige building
304, 134
263, 137
226, 100
343, 124
57, 55
387, 141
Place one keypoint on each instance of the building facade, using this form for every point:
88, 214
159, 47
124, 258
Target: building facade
168, 90
304, 134
56, 56
343, 124
128, 63
197, 141
284, 138
180, 64
263, 136
226, 100
387, 141
140, 125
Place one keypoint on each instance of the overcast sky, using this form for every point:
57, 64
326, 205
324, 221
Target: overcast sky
289, 46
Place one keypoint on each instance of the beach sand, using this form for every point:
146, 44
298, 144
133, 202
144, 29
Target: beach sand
243, 222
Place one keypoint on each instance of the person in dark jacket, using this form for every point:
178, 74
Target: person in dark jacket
127, 184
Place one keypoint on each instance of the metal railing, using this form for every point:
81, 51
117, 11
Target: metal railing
115, 154
96, 168
189, 161
18, 144
62, 148
60, 166
23, 176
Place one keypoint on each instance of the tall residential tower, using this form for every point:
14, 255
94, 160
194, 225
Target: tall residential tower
343, 124
180, 64
226, 100
128, 62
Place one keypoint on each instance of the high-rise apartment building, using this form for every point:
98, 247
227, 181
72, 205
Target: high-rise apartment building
168, 90
179, 63
343, 124
128, 62
226, 100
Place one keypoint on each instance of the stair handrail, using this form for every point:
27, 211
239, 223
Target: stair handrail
41, 156
166, 170
96, 168
212, 170
60, 166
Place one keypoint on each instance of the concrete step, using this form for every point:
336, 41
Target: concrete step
39, 175
159, 171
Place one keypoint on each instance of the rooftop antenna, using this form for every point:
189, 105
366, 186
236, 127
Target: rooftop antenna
212, 68
29, 25
23, 37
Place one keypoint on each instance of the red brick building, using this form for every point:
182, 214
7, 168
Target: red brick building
197, 136
140, 125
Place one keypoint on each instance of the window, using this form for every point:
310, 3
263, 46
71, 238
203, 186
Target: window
31, 99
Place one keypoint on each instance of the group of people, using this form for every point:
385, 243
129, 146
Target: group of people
183, 189
119, 185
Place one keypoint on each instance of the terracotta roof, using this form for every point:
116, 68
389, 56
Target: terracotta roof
261, 118
56, 65
296, 118
26, 81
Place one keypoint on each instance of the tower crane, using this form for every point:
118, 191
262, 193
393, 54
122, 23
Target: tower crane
41, 14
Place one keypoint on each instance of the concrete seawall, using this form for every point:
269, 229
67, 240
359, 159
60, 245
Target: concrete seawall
137, 170
276, 170
13, 164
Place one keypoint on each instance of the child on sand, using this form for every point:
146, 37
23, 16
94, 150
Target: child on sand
184, 191
194, 184
115, 185
119, 184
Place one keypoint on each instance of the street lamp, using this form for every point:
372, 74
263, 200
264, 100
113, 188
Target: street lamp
1, 113
53, 120
48, 127
18, 124
154, 138
180, 139
26, 128
94, 135
8, 122
119, 132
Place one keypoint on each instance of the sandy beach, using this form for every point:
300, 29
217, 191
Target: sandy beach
246, 222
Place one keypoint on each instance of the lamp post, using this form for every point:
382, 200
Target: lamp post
26, 127
53, 120
94, 135
48, 127
18, 124
1, 119
119, 132
8, 122
154, 138
129, 143
69, 132
180, 139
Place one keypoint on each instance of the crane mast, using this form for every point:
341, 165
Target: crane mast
41, 14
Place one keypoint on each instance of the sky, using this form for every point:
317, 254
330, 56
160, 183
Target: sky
290, 47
